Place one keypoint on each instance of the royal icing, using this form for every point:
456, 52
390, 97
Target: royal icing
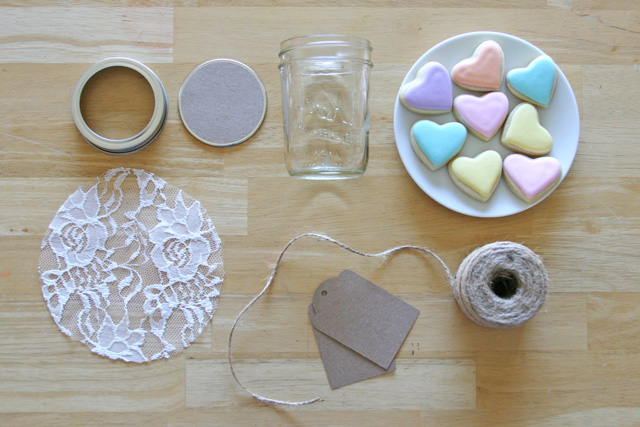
439, 142
523, 131
483, 71
483, 114
480, 173
532, 176
535, 82
431, 89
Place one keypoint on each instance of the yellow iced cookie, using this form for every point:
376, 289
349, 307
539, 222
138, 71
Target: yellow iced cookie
523, 132
477, 177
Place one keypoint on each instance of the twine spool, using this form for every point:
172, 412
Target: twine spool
499, 285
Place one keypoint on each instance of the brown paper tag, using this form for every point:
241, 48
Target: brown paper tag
344, 366
364, 319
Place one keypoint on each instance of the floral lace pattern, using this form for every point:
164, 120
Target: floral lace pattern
131, 266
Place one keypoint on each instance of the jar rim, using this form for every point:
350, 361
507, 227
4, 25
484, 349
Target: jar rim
317, 59
323, 40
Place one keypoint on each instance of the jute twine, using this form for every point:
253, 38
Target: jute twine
502, 284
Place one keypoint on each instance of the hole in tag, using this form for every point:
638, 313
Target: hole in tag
323, 293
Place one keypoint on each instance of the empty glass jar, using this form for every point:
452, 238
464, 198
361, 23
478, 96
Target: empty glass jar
325, 88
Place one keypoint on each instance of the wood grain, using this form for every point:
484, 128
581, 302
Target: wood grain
81, 34
576, 363
450, 384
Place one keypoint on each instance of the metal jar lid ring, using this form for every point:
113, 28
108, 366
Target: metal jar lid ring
135, 142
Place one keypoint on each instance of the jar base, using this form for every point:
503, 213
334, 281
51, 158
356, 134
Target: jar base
321, 174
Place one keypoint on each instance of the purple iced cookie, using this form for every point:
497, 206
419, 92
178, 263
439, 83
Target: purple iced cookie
431, 92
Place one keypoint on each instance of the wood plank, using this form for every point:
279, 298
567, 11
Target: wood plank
85, 34
44, 371
565, 258
405, 212
282, 3
587, 37
608, 123
613, 206
308, 263
278, 326
450, 384
570, 417
38, 200
555, 383
523, 4
421, 29
604, 4
49, 145
258, 415
613, 321
19, 277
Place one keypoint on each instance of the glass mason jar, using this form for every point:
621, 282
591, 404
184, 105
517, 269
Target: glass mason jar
325, 88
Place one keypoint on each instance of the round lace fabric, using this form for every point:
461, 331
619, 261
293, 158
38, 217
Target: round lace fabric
131, 266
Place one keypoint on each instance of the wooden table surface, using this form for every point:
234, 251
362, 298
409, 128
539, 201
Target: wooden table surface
577, 362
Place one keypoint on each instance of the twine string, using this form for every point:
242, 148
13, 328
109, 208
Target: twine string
515, 267
274, 271
501, 285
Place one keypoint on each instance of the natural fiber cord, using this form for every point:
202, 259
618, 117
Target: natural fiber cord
502, 284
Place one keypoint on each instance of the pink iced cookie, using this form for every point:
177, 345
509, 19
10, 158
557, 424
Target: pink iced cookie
531, 179
484, 115
431, 92
484, 71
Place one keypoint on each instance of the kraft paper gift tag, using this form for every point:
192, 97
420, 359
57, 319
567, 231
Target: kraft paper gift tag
359, 327
342, 365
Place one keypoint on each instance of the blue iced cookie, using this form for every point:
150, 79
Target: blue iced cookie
436, 144
535, 83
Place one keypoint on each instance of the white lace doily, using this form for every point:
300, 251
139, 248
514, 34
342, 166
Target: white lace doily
131, 266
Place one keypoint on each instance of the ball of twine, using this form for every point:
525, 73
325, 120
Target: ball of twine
501, 285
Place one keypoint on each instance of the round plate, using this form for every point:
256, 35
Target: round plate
560, 118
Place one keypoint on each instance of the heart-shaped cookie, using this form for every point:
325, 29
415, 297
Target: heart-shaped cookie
484, 71
534, 83
523, 132
431, 92
531, 179
483, 115
478, 177
436, 144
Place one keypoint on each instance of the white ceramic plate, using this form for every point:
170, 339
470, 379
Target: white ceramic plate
560, 118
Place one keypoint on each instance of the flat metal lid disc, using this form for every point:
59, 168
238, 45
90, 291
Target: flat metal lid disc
222, 102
